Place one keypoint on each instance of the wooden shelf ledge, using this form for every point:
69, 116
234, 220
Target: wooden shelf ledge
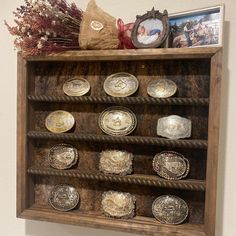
162, 142
142, 225
129, 54
147, 180
126, 100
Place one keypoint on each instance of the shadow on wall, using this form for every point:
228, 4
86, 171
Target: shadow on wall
223, 158
33, 228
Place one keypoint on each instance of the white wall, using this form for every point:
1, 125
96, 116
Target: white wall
127, 10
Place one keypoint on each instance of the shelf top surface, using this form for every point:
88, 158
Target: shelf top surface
129, 54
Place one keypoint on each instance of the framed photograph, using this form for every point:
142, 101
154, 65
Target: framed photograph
150, 30
197, 28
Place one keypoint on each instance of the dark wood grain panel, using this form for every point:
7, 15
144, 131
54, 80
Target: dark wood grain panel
91, 196
147, 117
89, 155
191, 76
197, 73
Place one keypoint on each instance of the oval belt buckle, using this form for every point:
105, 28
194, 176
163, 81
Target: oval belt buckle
169, 209
171, 165
64, 197
117, 120
62, 156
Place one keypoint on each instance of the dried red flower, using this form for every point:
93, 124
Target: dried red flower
46, 26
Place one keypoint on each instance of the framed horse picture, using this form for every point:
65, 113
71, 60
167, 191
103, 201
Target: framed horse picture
197, 28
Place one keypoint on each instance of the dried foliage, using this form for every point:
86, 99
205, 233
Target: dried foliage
46, 26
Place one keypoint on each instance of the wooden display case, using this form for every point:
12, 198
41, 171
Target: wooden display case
197, 73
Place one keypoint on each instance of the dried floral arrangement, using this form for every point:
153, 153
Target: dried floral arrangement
46, 26
51, 26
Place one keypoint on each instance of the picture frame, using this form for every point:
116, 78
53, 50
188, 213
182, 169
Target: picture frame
151, 29
197, 28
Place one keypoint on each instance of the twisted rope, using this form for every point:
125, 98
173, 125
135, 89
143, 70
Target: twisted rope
126, 100
193, 185
197, 144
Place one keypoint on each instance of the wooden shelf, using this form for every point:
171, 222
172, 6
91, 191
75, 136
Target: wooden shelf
127, 100
197, 73
132, 54
194, 185
162, 142
142, 225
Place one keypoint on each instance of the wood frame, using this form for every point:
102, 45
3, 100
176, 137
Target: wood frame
26, 207
151, 15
